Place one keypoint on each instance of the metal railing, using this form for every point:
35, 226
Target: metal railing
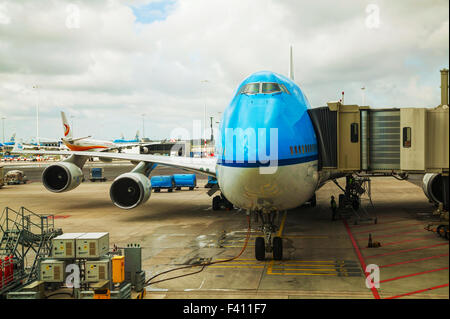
24, 231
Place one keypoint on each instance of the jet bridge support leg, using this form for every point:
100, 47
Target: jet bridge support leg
350, 200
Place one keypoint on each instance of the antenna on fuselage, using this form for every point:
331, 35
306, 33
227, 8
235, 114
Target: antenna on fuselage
291, 64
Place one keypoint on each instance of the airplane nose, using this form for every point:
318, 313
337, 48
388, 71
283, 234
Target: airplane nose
288, 187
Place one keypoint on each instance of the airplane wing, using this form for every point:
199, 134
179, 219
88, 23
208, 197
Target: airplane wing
124, 145
205, 166
71, 140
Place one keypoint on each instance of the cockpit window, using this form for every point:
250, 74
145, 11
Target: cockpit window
284, 89
270, 88
266, 88
251, 88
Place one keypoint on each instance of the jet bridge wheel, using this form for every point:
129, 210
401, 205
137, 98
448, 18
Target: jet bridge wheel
216, 203
277, 248
441, 231
260, 248
313, 201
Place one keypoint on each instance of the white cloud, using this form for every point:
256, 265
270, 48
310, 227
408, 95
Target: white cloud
111, 69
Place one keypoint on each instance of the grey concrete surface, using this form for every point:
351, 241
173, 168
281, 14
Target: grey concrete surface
320, 260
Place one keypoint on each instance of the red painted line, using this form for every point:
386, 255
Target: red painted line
383, 229
412, 275
413, 261
417, 291
360, 257
378, 223
405, 250
404, 241
394, 235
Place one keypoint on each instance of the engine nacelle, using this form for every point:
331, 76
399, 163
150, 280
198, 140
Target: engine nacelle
62, 177
105, 159
129, 190
432, 187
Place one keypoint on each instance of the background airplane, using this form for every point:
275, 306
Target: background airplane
83, 143
122, 139
12, 140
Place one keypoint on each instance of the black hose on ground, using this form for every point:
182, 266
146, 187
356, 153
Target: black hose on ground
203, 265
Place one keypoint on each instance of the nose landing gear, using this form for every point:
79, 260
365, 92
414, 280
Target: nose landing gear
267, 244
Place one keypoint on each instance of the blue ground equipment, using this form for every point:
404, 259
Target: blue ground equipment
96, 174
185, 180
211, 182
162, 182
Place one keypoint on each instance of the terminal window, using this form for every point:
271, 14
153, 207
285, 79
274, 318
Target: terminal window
354, 132
406, 137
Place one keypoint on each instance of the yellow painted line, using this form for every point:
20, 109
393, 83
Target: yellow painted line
269, 269
308, 237
280, 231
295, 269
236, 259
303, 265
309, 261
244, 264
238, 246
302, 274
235, 266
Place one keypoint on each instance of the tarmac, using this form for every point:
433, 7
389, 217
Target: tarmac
321, 259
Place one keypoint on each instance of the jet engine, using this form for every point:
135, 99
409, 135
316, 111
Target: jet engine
129, 190
105, 159
62, 177
432, 187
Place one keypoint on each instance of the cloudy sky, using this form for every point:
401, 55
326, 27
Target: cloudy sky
108, 62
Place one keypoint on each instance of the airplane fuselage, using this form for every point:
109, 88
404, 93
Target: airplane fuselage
267, 151
88, 145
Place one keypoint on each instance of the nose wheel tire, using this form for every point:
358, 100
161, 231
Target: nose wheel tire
277, 248
260, 248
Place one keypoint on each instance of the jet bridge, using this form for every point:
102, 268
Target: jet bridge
388, 141
353, 138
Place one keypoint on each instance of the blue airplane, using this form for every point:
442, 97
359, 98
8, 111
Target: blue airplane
11, 140
124, 141
266, 157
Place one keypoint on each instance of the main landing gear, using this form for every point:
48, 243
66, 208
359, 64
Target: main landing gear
267, 244
220, 201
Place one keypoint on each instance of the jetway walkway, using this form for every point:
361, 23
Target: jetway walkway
359, 139
355, 139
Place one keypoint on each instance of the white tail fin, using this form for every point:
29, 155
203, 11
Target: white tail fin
291, 64
66, 127
13, 138
137, 135
17, 147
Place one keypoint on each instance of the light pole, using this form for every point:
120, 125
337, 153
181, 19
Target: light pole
211, 126
143, 125
37, 113
363, 95
3, 127
204, 115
